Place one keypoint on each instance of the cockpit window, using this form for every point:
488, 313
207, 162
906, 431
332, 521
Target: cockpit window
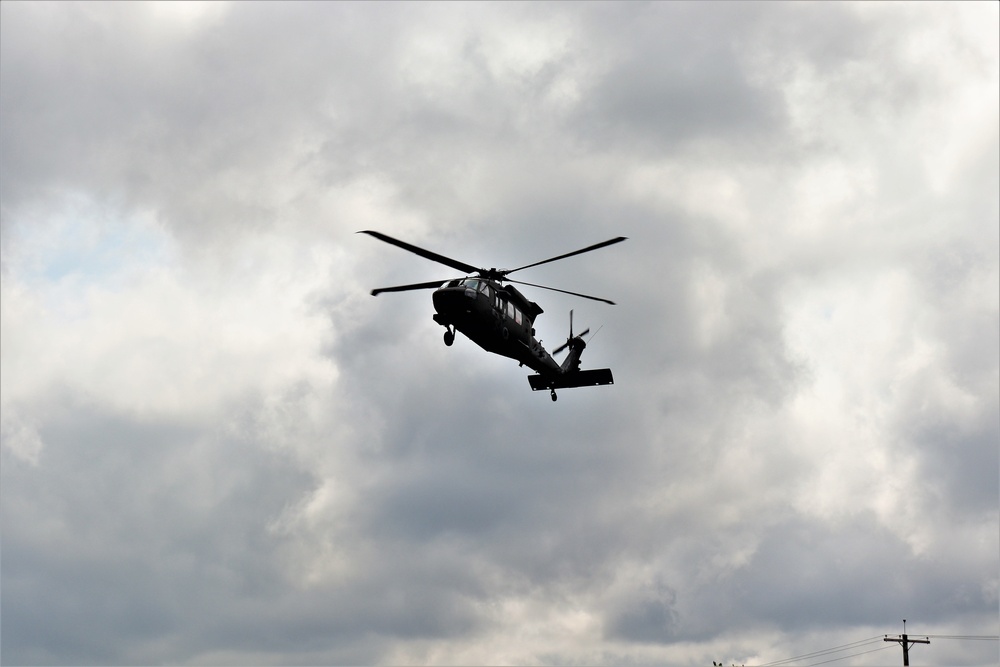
471, 283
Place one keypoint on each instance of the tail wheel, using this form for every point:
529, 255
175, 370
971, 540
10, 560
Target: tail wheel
449, 337
554, 397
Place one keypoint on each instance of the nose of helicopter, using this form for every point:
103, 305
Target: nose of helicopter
449, 299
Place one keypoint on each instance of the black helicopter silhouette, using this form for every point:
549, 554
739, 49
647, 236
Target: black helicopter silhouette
500, 319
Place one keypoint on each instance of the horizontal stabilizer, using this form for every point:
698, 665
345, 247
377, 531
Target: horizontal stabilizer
591, 378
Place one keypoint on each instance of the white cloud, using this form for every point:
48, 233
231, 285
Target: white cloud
160, 337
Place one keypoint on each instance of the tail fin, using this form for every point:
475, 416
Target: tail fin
571, 363
588, 378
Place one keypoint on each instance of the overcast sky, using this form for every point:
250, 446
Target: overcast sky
218, 448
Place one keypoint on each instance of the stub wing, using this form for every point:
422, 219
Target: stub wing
590, 378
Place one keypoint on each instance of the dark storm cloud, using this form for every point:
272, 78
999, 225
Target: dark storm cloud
856, 573
651, 616
85, 114
676, 74
959, 459
180, 515
191, 522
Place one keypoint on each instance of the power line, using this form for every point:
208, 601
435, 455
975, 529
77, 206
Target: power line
861, 643
845, 657
816, 654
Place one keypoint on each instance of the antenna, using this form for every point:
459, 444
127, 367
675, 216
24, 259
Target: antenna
595, 333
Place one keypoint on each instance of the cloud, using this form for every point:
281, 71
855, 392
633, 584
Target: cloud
218, 448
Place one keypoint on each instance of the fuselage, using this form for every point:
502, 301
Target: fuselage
496, 317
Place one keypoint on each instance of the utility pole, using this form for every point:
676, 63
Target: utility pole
906, 642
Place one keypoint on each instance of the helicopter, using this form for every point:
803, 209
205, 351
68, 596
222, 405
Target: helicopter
500, 319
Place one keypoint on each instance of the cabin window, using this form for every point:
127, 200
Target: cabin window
517, 315
510, 310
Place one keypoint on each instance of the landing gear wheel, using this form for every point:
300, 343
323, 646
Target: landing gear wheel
449, 337
554, 397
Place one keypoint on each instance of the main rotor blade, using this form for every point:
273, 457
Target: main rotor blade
585, 296
426, 254
407, 288
596, 246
